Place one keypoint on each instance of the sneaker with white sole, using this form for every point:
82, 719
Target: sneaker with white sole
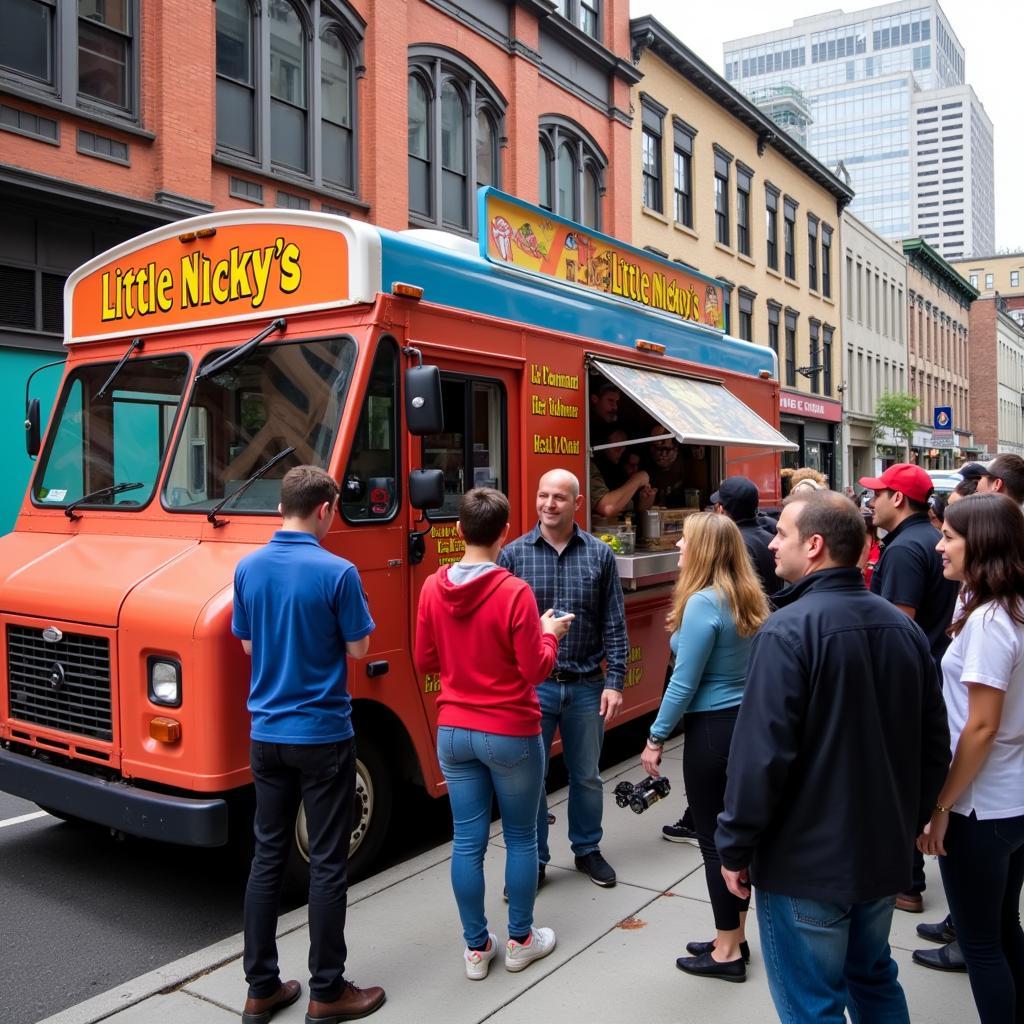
478, 962
521, 954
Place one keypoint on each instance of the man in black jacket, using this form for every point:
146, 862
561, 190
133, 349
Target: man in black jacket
839, 752
736, 498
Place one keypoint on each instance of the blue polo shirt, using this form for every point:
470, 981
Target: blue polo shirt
299, 605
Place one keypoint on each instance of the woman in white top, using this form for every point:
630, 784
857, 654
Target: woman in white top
977, 826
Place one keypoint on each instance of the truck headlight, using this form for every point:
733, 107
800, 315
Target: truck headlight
165, 682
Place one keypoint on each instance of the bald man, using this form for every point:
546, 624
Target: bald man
570, 570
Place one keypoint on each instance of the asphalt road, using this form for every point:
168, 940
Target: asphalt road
83, 912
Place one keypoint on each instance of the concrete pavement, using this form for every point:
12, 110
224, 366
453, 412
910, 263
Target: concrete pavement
614, 961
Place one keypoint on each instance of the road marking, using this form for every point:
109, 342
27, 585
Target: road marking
23, 817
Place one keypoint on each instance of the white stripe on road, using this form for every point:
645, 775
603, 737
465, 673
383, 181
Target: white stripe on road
23, 817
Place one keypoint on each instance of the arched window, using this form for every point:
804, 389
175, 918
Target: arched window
270, 114
454, 114
571, 171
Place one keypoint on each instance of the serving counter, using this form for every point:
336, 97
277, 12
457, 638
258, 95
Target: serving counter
647, 568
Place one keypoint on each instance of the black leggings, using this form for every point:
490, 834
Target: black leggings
983, 872
705, 757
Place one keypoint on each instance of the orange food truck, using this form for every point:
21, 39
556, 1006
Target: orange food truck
207, 357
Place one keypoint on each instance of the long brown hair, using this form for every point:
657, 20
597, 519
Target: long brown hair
717, 557
992, 527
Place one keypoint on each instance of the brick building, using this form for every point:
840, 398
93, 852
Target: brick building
997, 376
117, 116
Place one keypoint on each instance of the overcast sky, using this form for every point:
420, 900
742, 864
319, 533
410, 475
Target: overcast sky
991, 32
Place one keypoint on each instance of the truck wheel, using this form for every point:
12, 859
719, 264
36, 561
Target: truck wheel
371, 811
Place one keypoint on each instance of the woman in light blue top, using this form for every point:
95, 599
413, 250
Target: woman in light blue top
717, 607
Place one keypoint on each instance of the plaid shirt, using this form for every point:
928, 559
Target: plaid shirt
582, 579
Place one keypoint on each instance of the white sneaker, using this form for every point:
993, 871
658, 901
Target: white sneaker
521, 954
478, 963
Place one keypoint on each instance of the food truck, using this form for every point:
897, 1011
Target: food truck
207, 357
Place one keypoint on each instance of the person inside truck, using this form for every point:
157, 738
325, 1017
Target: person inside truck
612, 489
666, 470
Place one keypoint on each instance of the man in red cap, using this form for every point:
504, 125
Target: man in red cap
909, 575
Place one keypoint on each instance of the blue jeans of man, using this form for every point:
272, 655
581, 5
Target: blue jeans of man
477, 767
323, 777
822, 958
574, 710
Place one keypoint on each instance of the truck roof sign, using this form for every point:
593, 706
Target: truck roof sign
223, 267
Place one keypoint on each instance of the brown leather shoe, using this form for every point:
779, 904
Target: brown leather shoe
911, 902
259, 1011
352, 1004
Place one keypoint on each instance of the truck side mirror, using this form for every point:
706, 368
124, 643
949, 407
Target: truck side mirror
426, 488
32, 434
423, 412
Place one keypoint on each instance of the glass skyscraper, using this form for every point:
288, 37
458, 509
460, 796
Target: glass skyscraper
863, 75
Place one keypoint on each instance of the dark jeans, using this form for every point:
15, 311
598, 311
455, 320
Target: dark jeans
323, 777
983, 872
705, 758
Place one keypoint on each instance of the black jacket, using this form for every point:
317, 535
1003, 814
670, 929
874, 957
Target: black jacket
840, 748
757, 540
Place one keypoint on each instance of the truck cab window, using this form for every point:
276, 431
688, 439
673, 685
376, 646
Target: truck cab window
369, 490
119, 437
283, 395
471, 451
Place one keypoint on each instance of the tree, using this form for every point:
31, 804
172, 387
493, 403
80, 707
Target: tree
895, 412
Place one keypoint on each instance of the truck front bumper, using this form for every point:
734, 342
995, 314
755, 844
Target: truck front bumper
169, 818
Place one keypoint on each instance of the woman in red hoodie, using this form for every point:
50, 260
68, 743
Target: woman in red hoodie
478, 626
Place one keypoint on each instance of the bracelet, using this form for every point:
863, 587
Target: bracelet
941, 809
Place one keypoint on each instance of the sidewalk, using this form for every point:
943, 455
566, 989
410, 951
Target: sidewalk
614, 961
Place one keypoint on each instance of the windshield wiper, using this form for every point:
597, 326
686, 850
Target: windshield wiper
212, 514
137, 343
236, 355
93, 495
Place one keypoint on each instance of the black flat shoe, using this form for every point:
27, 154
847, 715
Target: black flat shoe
942, 932
706, 966
948, 958
700, 948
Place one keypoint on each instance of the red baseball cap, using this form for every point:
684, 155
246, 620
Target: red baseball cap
910, 480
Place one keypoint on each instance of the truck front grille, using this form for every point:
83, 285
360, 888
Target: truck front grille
63, 685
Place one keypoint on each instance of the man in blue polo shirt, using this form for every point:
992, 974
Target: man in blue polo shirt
299, 611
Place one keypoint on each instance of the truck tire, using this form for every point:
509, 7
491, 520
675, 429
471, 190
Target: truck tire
371, 812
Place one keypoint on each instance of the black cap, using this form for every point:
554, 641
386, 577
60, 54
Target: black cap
973, 470
738, 496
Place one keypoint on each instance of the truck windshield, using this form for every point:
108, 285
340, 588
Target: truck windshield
284, 395
98, 441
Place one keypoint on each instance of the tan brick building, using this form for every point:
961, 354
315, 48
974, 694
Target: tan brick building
720, 187
997, 376
997, 275
938, 357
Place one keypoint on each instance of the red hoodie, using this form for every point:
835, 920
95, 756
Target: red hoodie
484, 637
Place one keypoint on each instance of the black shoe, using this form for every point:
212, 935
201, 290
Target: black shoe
700, 948
541, 869
943, 932
597, 868
706, 966
678, 833
947, 958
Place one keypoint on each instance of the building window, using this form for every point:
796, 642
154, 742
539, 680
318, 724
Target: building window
812, 252
87, 50
988, 282
771, 218
746, 318
584, 14
1014, 278
682, 174
743, 179
571, 172
722, 197
789, 238
653, 119
269, 111
773, 326
454, 127
815, 353
974, 280
791, 315
826, 261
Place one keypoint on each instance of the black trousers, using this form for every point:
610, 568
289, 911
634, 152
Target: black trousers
983, 872
705, 757
321, 776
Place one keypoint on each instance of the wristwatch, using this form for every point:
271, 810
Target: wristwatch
655, 741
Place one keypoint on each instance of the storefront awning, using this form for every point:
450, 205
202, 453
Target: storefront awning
694, 411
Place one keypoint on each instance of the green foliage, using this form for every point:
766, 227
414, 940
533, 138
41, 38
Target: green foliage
895, 412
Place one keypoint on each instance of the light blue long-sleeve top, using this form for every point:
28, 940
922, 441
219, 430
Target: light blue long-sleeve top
711, 661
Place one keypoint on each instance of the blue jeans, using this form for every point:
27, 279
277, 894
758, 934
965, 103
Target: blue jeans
476, 766
823, 957
574, 709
